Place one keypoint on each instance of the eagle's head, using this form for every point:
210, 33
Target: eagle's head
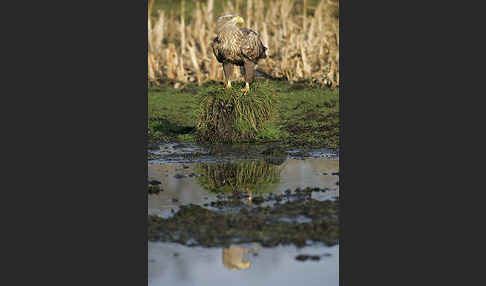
227, 21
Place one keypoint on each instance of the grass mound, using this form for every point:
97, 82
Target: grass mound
229, 116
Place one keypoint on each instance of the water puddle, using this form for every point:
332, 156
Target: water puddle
243, 181
173, 264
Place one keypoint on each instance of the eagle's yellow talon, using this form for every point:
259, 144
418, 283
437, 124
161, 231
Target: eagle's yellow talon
246, 89
228, 85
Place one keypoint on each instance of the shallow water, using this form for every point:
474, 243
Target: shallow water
216, 266
186, 180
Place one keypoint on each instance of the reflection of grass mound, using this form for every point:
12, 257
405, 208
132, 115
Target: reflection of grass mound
254, 176
231, 116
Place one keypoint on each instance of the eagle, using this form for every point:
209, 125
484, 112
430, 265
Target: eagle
237, 46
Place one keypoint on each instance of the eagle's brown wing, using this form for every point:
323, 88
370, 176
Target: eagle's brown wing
251, 46
217, 49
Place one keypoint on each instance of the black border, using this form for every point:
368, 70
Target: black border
81, 204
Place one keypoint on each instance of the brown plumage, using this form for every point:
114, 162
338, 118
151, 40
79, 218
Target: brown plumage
237, 46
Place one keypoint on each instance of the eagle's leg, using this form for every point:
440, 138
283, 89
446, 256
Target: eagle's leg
249, 75
242, 71
228, 72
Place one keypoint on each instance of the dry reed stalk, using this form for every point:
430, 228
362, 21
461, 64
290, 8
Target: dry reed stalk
196, 23
182, 29
259, 16
158, 32
195, 64
331, 3
171, 61
149, 26
151, 70
299, 47
213, 69
264, 35
171, 32
209, 11
307, 68
180, 71
304, 16
202, 43
249, 10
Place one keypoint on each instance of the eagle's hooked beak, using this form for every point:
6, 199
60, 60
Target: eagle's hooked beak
239, 20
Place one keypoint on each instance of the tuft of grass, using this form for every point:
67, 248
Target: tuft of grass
230, 116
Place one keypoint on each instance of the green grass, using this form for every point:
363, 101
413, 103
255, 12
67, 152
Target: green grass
172, 114
307, 117
310, 117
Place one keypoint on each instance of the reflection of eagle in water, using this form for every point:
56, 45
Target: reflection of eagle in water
237, 46
233, 258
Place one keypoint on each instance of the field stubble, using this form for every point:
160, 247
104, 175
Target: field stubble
302, 41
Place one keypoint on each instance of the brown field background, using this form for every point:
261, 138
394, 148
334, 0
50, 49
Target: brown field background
302, 41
